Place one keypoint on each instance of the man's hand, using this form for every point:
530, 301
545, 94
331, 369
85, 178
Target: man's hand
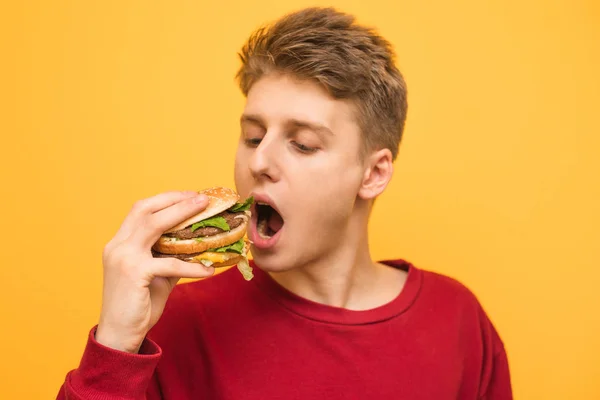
137, 285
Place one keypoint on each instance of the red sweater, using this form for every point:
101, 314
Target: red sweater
225, 338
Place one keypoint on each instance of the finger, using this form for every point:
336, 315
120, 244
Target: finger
174, 268
173, 281
143, 208
153, 226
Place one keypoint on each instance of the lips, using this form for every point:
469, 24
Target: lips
267, 222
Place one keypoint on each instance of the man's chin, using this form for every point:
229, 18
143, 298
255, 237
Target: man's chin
272, 261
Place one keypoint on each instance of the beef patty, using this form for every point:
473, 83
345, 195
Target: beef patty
182, 257
208, 230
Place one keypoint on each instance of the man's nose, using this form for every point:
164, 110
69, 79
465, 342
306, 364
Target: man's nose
263, 163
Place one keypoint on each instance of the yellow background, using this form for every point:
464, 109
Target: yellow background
103, 103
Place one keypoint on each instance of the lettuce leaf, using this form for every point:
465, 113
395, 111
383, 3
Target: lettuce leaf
242, 206
236, 247
215, 222
245, 269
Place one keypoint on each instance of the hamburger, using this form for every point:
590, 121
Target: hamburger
215, 237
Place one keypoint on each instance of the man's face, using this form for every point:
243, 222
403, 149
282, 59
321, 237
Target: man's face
299, 153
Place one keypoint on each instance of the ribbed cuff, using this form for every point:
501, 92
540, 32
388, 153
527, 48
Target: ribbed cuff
108, 373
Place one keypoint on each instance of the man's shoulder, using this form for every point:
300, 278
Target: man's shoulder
450, 302
449, 297
430, 283
447, 286
438, 289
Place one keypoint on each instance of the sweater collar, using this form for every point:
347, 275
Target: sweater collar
341, 316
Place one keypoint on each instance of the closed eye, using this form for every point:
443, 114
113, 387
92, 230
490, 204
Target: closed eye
252, 142
303, 148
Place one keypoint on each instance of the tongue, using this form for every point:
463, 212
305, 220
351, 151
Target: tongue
275, 222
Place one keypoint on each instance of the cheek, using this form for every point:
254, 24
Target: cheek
333, 191
340, 174
242, 176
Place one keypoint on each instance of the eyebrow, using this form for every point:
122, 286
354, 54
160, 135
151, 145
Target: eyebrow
314, 126
252, 119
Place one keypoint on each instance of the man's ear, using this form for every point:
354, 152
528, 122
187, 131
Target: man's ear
379, 168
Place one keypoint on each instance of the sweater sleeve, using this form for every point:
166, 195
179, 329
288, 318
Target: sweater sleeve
108, 374
495, 382
495, 378
499, 386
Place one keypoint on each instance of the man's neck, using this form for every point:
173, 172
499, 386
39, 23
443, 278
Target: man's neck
346, 278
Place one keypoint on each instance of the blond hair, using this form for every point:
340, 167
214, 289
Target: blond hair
349, 60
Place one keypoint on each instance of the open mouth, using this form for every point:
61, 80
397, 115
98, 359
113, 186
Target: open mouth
269, 222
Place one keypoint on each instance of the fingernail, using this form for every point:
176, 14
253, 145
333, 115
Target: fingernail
200, 199
189, 192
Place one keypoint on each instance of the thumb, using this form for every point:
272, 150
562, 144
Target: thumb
173, 281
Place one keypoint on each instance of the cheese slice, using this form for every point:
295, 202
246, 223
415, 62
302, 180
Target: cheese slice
211, 256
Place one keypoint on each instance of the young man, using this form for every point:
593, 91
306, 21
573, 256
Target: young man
321, 128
